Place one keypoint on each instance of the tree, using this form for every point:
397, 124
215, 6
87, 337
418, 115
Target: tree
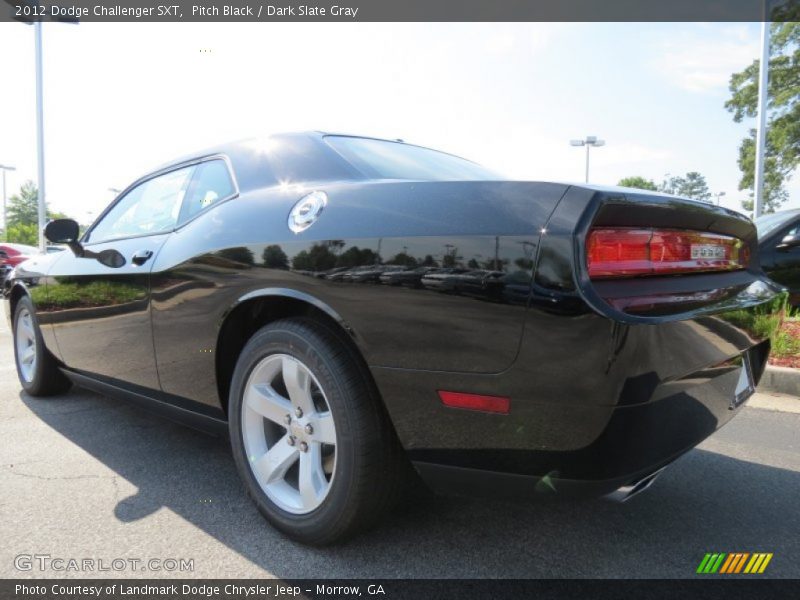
23, 233
693, 185
638, 182
783, 100
239, 254
403, 258
23, 215
23, 207
274, 257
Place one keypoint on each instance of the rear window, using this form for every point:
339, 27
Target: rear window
380, 159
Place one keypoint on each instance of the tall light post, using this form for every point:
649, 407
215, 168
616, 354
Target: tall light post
761, 132
589, 142
37, 27
40, 134
5, 168
718, 196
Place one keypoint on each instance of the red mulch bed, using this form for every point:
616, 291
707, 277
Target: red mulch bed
785, 361
793, 329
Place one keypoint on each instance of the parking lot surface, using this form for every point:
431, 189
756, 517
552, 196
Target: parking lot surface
83, 476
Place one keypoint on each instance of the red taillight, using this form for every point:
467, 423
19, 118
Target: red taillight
617, 252
493, 404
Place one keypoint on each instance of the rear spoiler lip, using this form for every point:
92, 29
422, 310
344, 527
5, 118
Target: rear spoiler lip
607, 208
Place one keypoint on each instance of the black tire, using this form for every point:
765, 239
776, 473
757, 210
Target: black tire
370, 466
46, 378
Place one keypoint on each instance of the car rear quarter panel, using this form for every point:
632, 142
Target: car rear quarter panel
245, 245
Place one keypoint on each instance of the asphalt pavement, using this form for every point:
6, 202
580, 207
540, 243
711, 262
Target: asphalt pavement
87, 478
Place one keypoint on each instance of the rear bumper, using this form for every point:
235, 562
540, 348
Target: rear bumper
594, 406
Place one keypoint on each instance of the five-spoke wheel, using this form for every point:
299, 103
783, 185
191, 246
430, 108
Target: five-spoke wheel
309, 434
38, 371
289, 433
25, 339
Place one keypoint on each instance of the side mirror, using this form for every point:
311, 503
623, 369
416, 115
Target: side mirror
64, 231
788, 242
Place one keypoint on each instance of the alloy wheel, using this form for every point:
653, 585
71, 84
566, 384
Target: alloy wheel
289, 433
25, 335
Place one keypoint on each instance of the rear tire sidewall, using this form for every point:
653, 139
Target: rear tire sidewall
314, 526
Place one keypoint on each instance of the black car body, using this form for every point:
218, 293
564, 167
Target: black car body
779, 249
539, 380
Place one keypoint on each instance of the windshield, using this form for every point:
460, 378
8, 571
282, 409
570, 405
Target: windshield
380, 159
766, 224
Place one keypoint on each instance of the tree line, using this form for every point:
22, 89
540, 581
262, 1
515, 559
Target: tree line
22, 216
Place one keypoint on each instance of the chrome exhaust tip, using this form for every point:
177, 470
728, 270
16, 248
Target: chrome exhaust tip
626, 492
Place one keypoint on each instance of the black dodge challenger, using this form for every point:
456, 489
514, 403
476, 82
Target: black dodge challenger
591, 337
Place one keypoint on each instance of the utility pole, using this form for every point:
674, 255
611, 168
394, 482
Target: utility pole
761, 132
40, 135
37, 27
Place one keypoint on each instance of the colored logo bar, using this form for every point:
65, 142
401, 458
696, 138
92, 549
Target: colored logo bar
734, 562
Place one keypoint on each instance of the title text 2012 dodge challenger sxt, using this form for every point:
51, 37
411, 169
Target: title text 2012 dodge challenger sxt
547, 338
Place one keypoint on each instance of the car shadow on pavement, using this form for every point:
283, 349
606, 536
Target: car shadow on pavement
706, 502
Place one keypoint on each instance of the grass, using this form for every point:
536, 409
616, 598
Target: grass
774, 321
96, 293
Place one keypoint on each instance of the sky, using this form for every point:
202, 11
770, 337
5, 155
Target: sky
121, 99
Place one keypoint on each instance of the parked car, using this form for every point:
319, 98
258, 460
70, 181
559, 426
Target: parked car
407, 277
779, 249
441, 280
372, 275
13, 254
619, 343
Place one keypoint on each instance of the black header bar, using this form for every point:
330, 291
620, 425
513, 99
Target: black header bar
397, 10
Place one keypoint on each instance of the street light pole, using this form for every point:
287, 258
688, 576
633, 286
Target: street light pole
719, 195
761, 132
40, 134
36, 17
590, 141
5, 168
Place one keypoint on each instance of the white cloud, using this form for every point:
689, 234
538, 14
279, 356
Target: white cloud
702, 60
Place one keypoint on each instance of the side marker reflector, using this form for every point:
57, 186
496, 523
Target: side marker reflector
492, 404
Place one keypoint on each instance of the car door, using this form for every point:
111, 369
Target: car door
99, 304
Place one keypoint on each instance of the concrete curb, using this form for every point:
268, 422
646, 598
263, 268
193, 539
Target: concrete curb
782, 380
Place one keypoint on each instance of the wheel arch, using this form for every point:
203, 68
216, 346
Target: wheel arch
17, 291
258, 308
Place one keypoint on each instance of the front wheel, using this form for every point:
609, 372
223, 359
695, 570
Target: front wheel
36, 368
310, 437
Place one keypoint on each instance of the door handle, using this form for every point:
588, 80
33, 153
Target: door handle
141, 257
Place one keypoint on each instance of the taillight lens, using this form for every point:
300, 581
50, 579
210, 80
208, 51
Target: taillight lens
618, 252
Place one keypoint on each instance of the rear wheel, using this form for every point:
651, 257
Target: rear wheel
309, 435
36, 368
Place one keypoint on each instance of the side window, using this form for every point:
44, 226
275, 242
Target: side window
149, 208
211, 183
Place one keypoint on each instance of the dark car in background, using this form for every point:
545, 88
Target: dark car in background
614, 342
779, 249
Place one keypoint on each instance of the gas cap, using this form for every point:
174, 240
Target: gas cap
307, 210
